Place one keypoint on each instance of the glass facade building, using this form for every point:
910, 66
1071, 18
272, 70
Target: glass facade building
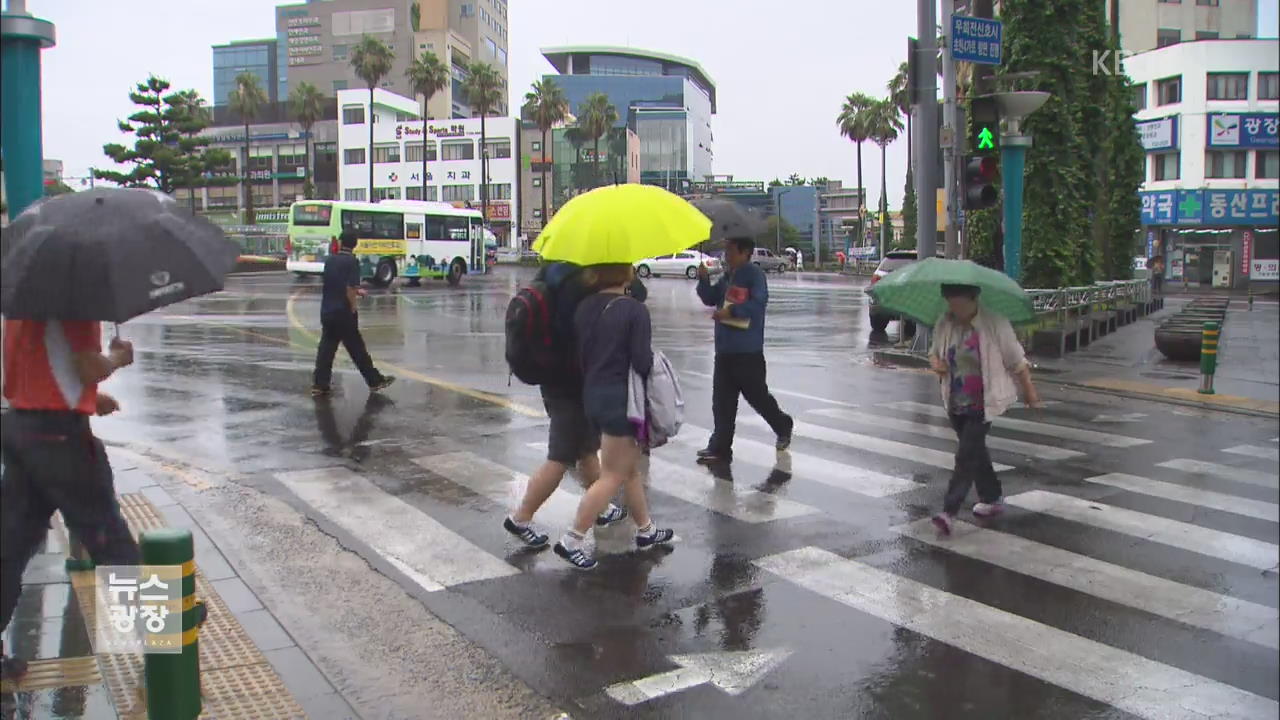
667, 101
260, 57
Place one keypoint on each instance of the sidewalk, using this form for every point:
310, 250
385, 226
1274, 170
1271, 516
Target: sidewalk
250, 667
1127, 362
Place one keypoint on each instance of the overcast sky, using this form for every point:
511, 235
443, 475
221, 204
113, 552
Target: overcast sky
781, 69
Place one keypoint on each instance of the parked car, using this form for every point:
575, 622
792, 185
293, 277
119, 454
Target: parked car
893, 260
769, 262
682, 263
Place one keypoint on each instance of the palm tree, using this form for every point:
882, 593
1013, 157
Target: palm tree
883, 126
371, 60
545, 106
597, 117
308, 108
484, 91
428, 76
247, 99
853, 125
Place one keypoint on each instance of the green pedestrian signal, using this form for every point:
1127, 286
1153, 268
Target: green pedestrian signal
985, 140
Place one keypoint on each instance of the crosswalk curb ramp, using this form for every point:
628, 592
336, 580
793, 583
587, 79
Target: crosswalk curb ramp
236, 680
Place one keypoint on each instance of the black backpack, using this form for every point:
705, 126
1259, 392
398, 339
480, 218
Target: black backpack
537, 348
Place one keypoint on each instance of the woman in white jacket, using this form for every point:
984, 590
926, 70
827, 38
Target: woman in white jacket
978, 357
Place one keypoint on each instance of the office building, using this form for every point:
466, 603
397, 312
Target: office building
259, 57
1208, 121
315, 41
667, 101
568, 166
452, 150
798, 205
838, 209
1150, 24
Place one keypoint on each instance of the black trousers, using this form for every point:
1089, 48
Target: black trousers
52, 462
742, 374
342, 328
973, 463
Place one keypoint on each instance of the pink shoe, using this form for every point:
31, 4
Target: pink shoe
986, 510
943, 522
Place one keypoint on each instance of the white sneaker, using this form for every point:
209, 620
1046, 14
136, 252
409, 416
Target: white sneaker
988, 509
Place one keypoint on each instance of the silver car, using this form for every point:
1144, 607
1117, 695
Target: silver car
767, 261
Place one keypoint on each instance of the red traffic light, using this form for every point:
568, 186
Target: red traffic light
979, 175
981, 169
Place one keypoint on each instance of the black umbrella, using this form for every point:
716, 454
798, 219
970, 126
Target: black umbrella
730, 219
109, 255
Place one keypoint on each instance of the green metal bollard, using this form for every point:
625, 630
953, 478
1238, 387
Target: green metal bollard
1208, 357
77, 557
173, 680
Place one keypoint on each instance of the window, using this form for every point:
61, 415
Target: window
353, 156
339, 53
373, 224
468, 10
1268, 86
465, 150
386, 153
339, 85
353, 115
1206, 35
386, 193
413, 231
1139, 96
455, 228
536, 146
413, 152
306, 214
223, 197
1224, 163
499, 191
537, 212
435, 228
1228, 86
292, 158
1169, 90
263, 196
1266, 164
414, 192
1166, 37
500, 148
1165, 166
404, 117
537, 182
1210, 3
354, 195
291, 190
1172, 2
457, 193
262, 164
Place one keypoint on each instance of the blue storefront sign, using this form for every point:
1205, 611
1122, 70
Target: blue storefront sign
1211, 207
1242, 131
975, 39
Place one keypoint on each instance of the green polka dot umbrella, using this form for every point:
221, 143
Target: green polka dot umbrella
916, 290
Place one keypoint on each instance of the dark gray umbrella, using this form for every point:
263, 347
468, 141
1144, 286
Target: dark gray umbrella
730, 219
109, 255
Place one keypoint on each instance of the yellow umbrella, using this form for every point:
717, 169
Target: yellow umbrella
620, 224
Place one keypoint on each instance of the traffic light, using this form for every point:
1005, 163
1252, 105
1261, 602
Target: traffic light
984, 126
979, 182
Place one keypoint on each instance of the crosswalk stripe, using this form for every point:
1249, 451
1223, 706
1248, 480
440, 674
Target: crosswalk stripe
502, 485
431, 554
1225, 472
697, 487
1044, 452
1035, 428
872, 444
1192, 496
807, 467
1182, 603
1255, 451
1193, 538
777, 390
1119, 678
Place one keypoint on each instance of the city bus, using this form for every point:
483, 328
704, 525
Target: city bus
398, 238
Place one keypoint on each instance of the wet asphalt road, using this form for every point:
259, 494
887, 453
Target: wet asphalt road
803, 585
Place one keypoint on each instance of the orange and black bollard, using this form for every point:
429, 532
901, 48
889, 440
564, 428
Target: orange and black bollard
1208, 357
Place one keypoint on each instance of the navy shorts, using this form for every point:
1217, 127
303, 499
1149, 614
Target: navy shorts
570, 437
606, 407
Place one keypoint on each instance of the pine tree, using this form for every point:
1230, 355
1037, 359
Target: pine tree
909, 212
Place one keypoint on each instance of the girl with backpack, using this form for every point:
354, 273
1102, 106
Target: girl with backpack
613, 335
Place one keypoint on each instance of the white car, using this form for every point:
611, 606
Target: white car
682, 263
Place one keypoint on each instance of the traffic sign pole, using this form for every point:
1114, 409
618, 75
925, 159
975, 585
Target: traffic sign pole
950, 152
22, 37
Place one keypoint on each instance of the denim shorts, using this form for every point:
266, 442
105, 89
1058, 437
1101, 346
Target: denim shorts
606, 407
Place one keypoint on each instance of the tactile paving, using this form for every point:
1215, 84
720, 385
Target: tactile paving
56, 673
236, 680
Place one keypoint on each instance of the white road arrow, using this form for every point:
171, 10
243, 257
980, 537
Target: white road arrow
732, 672
1125, 418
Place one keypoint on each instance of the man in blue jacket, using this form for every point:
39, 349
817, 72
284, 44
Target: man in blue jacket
739, 296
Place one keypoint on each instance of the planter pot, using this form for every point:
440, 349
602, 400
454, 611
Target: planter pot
1177, 344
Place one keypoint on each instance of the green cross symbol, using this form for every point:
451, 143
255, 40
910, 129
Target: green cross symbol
984, 139
1189, 207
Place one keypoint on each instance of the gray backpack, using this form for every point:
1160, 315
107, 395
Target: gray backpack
664, 401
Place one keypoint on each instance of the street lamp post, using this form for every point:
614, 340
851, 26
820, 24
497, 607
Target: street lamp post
22, 37
1014, 108
777, 242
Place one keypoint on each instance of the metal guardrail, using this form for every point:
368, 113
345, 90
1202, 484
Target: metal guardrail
266, 244
1078, 310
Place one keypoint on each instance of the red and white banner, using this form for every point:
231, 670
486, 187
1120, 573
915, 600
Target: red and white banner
1246, 252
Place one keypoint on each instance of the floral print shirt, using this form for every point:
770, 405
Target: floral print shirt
964, 358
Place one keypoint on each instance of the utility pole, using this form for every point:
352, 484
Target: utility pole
952, 136
926, 126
